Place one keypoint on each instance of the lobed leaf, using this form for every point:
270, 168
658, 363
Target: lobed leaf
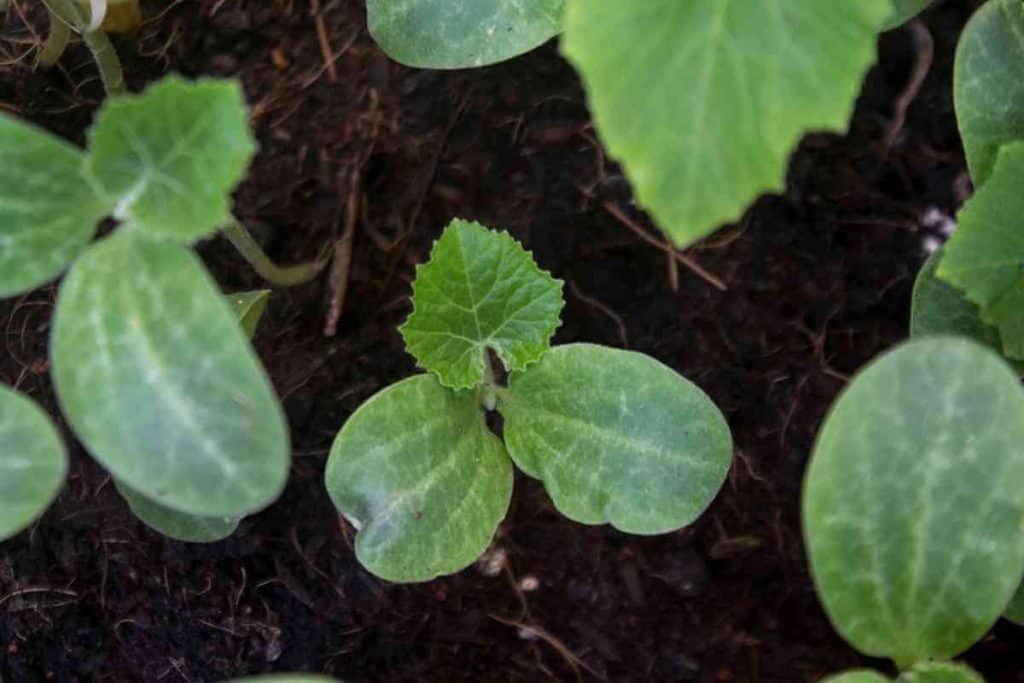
421, 476
48, 210
33, 462
703, 101
481, 290
159, 382
167, 160
455, 34
985, 256
616, 437
180, 526
914, 499
988, 84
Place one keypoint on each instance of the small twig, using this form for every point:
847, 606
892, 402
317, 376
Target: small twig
574, 662
30, 591
325, 43
667, 248
604, 308
925, 55
276, 275
338, 279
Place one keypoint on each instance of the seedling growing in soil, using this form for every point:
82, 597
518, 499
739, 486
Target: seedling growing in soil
33, 462
913, 504
151, 367
615, 436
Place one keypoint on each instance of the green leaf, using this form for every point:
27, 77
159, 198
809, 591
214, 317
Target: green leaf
616, 437
173, 524
159, 382
416, 470
33, 462
858, 676
48, 212
455, 34
168, 159
914, 500
938, 308
284, 678
1015, 610
941, 672
249, 308
481, 290
988, 84
703, 101
904, 11
985, 256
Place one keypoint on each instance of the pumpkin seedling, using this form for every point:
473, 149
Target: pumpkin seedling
615, 436
151, 368
913, 504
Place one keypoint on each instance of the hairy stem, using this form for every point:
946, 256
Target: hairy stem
289, 276
97, 41
56, 41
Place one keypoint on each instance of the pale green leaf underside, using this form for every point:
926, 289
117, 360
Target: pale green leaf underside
988, 84
33, 462
481, 290
985, 256
617, 438
941, 672
159, 382
168, 159
1015, 610
48, 212
455, 34
904, 11
173, 524
703, 101
420, 474
914, 500
938, 308
248, 308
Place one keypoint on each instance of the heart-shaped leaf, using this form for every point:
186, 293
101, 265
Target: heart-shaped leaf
702, 101
177, 525
33, 462
455, 34
159, 382
988, 84
416, 470
914, 500
168, 159
481, 290
985, 256
616, 437
48, 210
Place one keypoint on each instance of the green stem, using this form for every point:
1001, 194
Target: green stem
268, 270
489, 391
99, 44
56, 41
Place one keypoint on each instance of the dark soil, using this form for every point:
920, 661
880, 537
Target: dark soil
818, 281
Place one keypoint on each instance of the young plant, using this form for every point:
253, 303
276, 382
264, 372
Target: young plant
913, 504
615, 436
33, 462
151, 367
705, 116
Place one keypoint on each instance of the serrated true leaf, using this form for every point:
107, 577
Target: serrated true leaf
159, 382
481, 290
249, 308
180, 526
914, 500
33, 462
48, 211
939, 308
455, 34
703, 101
988, 84
616, 437
985, 256
167, 160
940, 672
419, 473
904, 11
